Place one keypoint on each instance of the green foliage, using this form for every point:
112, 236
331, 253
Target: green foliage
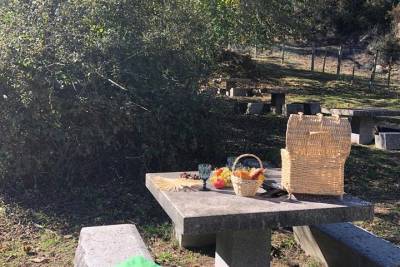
102, 89
388, 47
249, 22
343, 20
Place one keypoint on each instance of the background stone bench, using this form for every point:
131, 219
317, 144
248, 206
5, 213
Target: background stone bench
344, 244
388, 140
309, 108
106, 246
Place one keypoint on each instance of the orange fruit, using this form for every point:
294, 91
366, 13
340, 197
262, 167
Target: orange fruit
245, 175
255, 173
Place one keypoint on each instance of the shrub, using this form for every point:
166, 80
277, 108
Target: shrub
99, 90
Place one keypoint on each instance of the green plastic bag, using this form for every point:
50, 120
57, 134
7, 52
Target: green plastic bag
137, 261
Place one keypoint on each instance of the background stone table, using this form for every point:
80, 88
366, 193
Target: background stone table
243, 225
363, 121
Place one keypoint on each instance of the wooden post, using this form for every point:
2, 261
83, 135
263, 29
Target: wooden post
371, 80
323, 64
313, 56
283, 54
352, 72
339, 61
389, 71
255, 51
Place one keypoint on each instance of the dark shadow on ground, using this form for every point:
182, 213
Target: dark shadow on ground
373, 174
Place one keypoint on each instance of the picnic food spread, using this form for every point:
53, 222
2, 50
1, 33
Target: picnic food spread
180, 184
221, 178
244, 180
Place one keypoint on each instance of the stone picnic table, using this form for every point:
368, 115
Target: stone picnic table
243, 224
241, 87
363, 121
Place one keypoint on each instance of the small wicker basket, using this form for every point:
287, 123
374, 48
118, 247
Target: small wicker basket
243, 187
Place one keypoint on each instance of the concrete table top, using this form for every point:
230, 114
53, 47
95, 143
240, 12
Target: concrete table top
221, 210
364, 112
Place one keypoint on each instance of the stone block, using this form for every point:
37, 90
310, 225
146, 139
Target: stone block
244, 248
237, 92
293, 108
194, 241
106, 246
255, 108
344, 244
362, 129
312, 108
388, 140
277, 102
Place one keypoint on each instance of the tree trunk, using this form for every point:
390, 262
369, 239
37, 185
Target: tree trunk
323, 64
339, 61
371, 80
313, 56
389, 71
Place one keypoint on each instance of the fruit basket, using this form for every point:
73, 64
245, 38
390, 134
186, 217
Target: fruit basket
245, 183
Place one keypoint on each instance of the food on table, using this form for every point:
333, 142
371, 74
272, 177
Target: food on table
186, 175
223, 174
219, 183
176, 185
244, 174
255, 173
250, 174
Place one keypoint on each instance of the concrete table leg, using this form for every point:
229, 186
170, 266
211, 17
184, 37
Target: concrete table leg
277, 102
194, 241
244, 248
362, 130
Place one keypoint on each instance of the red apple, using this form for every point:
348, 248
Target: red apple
219, 183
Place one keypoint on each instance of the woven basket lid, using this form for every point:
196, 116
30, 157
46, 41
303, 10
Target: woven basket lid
318, 135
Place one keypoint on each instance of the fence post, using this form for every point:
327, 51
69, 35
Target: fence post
313, 56
389, 71
283, 54
323, 64
352, 72
371, 80
339, 61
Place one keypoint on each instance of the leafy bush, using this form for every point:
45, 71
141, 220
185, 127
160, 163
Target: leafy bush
98, 90
388, 47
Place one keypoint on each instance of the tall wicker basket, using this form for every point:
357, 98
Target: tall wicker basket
316, 150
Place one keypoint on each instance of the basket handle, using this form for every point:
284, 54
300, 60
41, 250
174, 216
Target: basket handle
245, 156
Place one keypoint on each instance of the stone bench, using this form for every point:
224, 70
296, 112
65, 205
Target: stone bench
106, 246
363, 121
311, 108
344, 244
388, 140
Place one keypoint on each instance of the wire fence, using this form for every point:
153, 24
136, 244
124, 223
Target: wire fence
347, 63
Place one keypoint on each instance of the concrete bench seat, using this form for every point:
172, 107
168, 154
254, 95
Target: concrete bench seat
107, 246
344, 244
